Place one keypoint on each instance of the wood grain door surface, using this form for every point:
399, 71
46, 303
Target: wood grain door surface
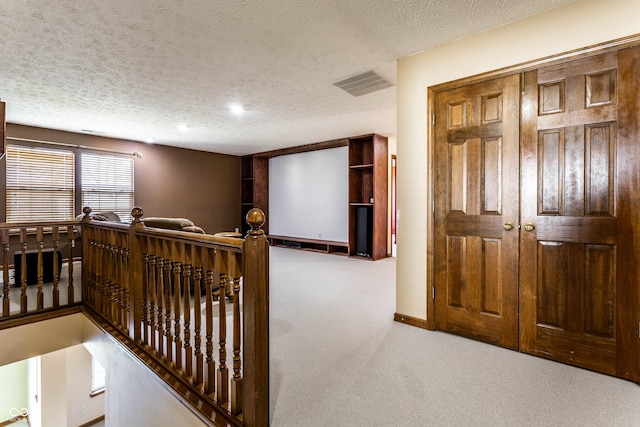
561, 165
476, 187
579, 282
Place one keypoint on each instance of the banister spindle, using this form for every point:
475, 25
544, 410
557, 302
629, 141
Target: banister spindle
236, 380
6, 306
56, 273
23, 270
209, 385
153, 301
167, 309
187, 356
161, 304
39, 293
197, 321
223, 371
71, 244
177, 334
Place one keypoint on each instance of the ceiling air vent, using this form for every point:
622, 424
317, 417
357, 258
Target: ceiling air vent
362, 84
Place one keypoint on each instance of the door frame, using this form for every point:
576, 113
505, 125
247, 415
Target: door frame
585, 52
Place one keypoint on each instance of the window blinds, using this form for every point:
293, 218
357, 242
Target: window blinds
107, 184
40, 184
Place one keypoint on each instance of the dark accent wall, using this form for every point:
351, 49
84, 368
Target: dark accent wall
169, 181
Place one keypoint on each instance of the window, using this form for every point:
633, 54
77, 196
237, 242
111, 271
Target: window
97, 377
40, 184
107, 184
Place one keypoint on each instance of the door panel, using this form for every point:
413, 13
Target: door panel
573, 286
564, 282
477, 139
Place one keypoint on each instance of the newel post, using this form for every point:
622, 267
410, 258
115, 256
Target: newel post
256, 322
88, 259
135, 284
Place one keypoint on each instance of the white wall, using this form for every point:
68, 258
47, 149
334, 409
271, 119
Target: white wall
134, 395
580, 24
53, 390
309, 195
13, 388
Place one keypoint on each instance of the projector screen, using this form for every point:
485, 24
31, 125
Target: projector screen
309, 195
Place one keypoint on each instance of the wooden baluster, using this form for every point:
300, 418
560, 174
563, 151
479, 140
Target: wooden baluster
151, 277
161, 305
223, 371
177, 334
6, 306
146, 303
104, 279
72, 242
111, 273
197, 288
114, 288
236, 380
126, 291
187, 356
56, 272
167, 300
91, 291
120, 290
210, 377
40, 244
23, 270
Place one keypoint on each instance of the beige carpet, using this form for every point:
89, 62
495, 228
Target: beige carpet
337, 358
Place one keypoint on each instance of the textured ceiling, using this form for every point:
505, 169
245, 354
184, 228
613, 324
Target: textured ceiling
137, 69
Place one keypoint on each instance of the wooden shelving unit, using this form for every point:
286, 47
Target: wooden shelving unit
368, 200
368, 196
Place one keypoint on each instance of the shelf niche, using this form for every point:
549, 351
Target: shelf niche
368, 173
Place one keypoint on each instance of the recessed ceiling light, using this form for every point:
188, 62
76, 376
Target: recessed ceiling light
183, 127
236, 109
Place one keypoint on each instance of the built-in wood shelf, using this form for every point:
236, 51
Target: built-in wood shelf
324, 246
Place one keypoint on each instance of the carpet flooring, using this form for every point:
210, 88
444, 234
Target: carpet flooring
337, 358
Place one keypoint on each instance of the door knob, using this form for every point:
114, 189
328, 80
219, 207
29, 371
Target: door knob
529, 227
508, 226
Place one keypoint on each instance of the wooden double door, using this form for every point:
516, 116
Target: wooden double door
537, 212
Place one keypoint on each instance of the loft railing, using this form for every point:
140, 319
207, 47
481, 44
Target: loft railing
33, 279
194, 307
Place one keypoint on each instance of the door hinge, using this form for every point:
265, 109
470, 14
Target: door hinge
433, 292
433, 119
522, 83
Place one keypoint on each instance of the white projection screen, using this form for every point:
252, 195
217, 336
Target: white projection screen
309, 195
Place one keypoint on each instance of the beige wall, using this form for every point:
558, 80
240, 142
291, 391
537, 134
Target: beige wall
580, 24
169, 181
134, 395
13, 388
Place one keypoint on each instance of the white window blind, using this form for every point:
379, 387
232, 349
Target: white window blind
40, 184
107, 184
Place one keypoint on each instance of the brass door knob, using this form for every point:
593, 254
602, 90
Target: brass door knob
508, 226
529, 227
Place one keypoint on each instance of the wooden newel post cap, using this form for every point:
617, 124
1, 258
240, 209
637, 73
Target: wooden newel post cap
137, 213
87, 214
255, 219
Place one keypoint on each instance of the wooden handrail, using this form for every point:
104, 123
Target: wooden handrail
197, 305
152, 284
